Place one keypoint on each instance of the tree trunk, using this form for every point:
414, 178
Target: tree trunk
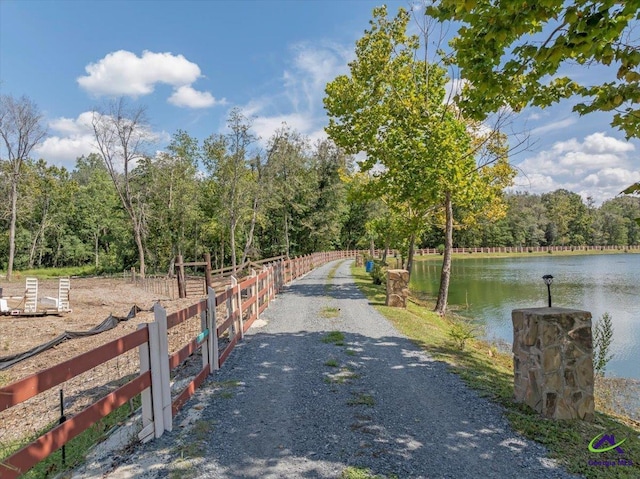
247, 245
372, 248
412, 245
96, 246
138, 235
445, 276
39, 234
233, 245
12, 225
32, 251
286, 234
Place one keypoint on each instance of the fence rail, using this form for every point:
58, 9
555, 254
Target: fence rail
241, 303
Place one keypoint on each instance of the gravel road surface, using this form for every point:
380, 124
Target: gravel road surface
289, 404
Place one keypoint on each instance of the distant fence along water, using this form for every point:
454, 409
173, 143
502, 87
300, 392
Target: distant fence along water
224, 318
529, 249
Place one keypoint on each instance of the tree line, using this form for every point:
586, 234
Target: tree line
558, 218
225, 195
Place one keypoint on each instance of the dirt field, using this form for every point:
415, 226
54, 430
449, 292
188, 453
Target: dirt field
92, 300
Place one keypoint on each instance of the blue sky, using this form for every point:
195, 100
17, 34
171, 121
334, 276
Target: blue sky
190, 62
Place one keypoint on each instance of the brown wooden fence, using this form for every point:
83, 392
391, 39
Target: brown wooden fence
242, 303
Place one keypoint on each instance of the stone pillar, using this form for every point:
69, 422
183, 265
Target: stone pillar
359, 259
397, 288
553, 361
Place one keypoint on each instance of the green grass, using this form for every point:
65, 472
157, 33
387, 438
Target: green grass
48, 273
341, 377
329, 312
332, 363
492, 375
330, 275
353, 472
362, 400
350, 352
335, 337
76, 450
224, 389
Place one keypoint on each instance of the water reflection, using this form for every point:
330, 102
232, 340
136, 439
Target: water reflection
488, 289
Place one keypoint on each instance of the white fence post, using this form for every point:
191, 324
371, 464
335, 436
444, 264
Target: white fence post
214, 364
156, 379
204, 326
148, 426
165, 379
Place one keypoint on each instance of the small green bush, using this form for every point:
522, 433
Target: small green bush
379, 271
602, 339
440, 249
460, 332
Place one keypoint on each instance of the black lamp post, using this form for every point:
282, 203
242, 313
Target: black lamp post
548, 279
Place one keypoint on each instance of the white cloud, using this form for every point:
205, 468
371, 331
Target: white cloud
303, 82
124, 73
73, 138
265, 126
187, 97
599, 166
556, 125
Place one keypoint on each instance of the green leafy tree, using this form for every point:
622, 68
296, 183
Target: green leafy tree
228, 160
391, 106
290, 182
329, 165
98, 216
513, 54
173, 212
538, 39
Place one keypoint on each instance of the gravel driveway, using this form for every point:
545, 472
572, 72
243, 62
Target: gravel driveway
290, 403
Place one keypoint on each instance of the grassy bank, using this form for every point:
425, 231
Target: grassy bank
577, 252
48, 273
490, 372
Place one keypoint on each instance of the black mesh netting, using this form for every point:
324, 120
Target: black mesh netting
109, 323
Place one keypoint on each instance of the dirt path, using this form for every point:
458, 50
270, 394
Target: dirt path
289, 404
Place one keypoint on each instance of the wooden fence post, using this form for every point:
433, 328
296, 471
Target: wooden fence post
214, 363
231, 307
255, 289
182, 287
207, 270
269, 284
240, 314
163, 348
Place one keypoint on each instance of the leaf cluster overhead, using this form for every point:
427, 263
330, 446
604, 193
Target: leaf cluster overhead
512, 53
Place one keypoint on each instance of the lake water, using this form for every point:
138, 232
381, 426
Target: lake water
488, 289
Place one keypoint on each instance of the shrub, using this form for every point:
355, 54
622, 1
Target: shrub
379, 271
460, 332
602, 339
440, 249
